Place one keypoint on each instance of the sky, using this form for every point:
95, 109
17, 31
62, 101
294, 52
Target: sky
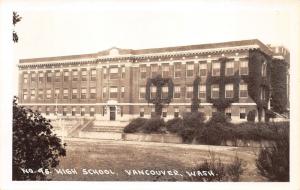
77, 28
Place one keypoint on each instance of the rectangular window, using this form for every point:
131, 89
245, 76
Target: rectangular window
216, 69
215, 91
66, 93
25, 94
153, 92
48, 93
47, 110
75, 75
93, 74
142, 92
73, 111
39, 109
83, 93
104, 71
92, 111
176, 112
202, 69
243, 91
165, 70
229, 71
65, 110
49, 77
66, 76
177, 70
57, 93
189, 69
41, 77
114, 73
153, 112
244, 68
123, 72
74, 93
228, 112
189, 92
33, 77
93, 93
142, 111
143, 72
32, 94
177, 92
41, 94
242, 113
83, 75
25, 78
82, 111
164, 112
57, 76
202, 91
104, 92
154, 70
122, 91
165, 91
113, 92
229, 91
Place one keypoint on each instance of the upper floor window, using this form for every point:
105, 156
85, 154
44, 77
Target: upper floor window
229, 91
32, 94
49, 77
56, 93
244, 68
122, 91
33, 77
216, 69
83, 93
66, 93
93, 93
113, 73
243, 90
202, 91
74, 93
142, 92
165, 91
189, 92
154, 70
177, 70
75, 75
190, 69
48, 93
25, 94
41, 77
215, 91
122, 72
83, 75
177, 91
202, 69
104, 71
143, 72
113, 92
165, 70
229, 71
25, 78
93, 74
153, 91
57, 76
66, 76
40, 94
104, 92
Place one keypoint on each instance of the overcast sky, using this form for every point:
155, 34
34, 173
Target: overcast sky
65, 29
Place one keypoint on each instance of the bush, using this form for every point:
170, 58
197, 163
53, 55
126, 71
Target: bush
218, 117
251, 116
174, 125
235, 169
193, 119
135, 125
273, 163
154, 125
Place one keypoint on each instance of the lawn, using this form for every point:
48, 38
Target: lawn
114, 157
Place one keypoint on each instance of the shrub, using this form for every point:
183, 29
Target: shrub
193, 119
218, 117
235, 169
154, 125
251, 116
135, 125
273, 163
174, 125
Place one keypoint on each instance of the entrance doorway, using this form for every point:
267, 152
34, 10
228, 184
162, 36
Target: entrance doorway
112, 113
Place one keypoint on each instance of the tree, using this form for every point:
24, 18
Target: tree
35, 147
16, 19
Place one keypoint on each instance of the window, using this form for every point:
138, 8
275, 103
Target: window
213, 111
215, 91
47, 110
83, 93
57, 76
83, 75
56, 94
73, 111
164, 112
66, 76
242, 113
93, 93
229, 71
41, 77
74, 93
49, 77
104, 73
33, 77
40, 94
189, 69
66, 93
153, 112
165, 91
39, 109
121, 107
74, 75
153, 92
202, 91
82, 111
143, 72
32, 94
142, 111
93, 74
122, 91
154, 70
142, 92
202, 69
243, 91
244, 68
228, 112
229, 91
189, 92
104, 92
122, 72
216, 69
165, 70
177, 91
177, 70
25, 94
113, 73
176, 112
48, 93
25, 78
65, 110
113, 92
92, 111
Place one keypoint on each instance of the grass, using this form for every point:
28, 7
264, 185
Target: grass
119, 156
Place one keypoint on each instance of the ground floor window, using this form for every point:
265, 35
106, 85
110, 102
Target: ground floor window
47, 110
176, 112
82, 111
142, 111
73, 111
242, 113
164, 112
228, 112
64, 111
92, 111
